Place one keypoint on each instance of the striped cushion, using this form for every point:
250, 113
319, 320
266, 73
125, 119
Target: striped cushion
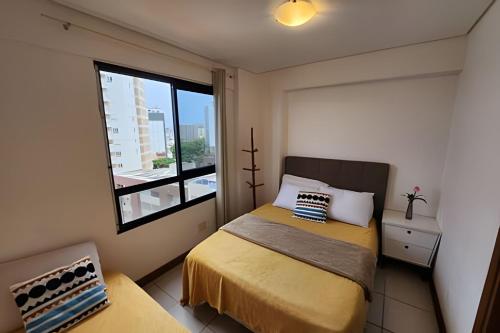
59, 299
311, 206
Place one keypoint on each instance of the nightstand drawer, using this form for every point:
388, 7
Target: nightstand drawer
414, 237
408, 252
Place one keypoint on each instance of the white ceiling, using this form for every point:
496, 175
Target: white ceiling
243, 33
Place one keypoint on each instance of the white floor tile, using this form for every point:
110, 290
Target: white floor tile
225, 324
160, 296
403, 318
370, 328
208, 330
407, 286
171, 282
379, 285
187, 319
376, 309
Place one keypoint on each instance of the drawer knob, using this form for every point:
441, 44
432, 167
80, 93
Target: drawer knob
406, 246
408, 231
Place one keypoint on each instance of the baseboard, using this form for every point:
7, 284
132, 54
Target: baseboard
158, 272
437, 307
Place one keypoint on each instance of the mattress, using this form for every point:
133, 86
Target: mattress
270, 292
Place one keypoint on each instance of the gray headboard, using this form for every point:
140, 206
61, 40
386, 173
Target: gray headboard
350, 175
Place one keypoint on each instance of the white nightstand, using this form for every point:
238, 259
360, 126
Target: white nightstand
414, 241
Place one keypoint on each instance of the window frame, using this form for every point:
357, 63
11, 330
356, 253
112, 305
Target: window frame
182, 175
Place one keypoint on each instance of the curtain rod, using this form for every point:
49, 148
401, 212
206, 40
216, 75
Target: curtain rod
67, 24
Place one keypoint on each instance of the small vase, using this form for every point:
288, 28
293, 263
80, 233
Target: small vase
409, 210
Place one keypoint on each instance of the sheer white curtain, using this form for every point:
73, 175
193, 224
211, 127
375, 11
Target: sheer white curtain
219, 84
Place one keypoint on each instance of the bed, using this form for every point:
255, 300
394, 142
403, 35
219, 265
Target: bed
271, 292
131, 308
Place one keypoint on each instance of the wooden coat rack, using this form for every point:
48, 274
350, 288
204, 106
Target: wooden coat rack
253, 169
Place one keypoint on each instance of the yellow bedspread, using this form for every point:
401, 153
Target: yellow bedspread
131, 310
270, 292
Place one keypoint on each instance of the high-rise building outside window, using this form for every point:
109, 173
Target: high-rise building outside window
160, 135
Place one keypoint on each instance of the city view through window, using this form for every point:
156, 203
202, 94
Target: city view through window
139, 117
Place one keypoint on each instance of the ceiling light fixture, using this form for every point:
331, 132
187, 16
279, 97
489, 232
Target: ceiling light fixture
294, 12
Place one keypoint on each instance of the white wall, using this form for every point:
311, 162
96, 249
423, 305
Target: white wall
402, 122
469, 211
406, 64
252, 103
55, 185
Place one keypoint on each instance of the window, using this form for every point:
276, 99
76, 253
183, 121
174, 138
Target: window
197, 129
161, 143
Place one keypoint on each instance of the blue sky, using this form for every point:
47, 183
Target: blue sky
191, 105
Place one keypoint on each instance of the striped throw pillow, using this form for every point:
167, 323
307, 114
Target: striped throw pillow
311, 206
59, 299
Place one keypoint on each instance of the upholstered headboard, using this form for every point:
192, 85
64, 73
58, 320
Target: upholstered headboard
350, 175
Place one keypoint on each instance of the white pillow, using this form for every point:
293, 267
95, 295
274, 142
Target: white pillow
287, 197
301, 181
349, 206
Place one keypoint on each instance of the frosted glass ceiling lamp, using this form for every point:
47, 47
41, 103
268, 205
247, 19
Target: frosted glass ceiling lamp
294, 12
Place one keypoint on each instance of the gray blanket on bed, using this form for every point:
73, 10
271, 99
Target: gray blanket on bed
348, 260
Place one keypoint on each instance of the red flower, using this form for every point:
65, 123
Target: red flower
416, 189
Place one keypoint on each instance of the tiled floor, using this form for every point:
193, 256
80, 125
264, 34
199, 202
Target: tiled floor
402, 303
